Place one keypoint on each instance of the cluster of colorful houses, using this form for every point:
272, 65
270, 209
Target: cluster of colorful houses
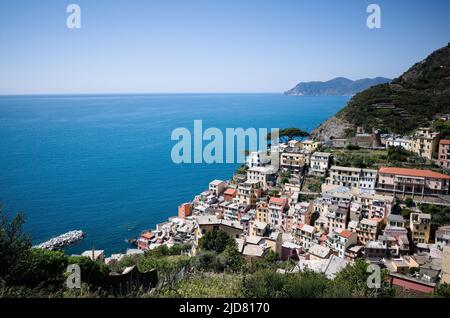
352, 217
425, 143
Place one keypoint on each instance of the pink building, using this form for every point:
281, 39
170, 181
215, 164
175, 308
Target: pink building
277, 208
403, 181
444, 152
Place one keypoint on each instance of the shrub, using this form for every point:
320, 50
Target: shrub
209, 261
409, 202
353, 147
216, 240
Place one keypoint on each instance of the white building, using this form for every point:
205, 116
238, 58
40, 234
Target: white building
230, 211
362, 179
346, 239
305, 235
257, 159
277, 208
217, 187
261, 174
94, 254
320, 162
368, 180
403, 142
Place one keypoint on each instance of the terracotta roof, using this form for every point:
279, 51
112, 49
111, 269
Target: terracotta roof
230, 191
280, 201
147, 235
346, 233
414, 172
445, 141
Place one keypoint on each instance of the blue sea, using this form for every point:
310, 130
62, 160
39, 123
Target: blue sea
102, 163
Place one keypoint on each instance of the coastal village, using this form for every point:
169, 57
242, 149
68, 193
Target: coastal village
323, 215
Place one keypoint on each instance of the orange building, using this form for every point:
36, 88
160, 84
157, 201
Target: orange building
229, 194
143, 242
184, 210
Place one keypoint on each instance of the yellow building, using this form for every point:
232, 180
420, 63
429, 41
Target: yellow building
420, 224
262, 212
425, 143
310, 145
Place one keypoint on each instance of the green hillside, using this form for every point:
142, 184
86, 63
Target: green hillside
409, 101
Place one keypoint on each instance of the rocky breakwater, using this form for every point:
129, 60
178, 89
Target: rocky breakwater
62, 241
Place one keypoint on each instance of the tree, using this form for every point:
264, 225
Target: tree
443, 290
242, 169
398, 153
287, 134
232, 257
215, 240
306, 284
45, 269
273, 193
14, 248
352, 281
409, 202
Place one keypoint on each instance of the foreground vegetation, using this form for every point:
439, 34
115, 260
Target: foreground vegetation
217, 270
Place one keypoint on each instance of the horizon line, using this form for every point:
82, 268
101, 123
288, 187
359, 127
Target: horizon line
130, 93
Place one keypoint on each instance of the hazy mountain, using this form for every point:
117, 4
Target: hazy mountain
336, 87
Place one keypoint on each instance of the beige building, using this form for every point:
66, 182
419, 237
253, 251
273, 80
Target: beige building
446, 265
217, 187
374, 205
293, 159
367, 230
304, 235
425, 143
420, 225
206, 223
258, 228
248, 193
261, 174
337, 217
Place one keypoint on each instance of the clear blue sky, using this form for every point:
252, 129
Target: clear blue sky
153, 46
